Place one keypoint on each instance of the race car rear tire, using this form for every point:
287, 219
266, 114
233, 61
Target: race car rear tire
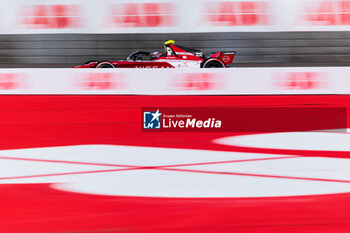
213, 64
104, 64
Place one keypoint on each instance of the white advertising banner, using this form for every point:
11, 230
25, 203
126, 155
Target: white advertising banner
234, 81
169, 16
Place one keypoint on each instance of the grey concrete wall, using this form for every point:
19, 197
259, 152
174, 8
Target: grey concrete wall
253, 49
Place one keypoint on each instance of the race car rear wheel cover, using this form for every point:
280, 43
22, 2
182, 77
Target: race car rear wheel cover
213, 64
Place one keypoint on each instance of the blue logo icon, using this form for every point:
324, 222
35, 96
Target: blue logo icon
151, 120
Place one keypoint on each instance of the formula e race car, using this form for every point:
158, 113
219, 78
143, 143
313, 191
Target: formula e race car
173, 57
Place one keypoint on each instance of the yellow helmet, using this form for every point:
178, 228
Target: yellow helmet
169, 42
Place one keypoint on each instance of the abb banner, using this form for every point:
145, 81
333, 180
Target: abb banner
160, 16
234, 81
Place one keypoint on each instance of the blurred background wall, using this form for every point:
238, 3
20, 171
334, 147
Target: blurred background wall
253, 48
52, 33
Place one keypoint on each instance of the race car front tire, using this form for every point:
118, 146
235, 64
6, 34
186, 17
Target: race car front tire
104, 64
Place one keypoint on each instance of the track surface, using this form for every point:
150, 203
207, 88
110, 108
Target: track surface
82, 164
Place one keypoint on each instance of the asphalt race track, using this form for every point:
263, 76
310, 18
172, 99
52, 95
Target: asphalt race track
83, 164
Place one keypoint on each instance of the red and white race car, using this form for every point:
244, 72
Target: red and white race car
174, 57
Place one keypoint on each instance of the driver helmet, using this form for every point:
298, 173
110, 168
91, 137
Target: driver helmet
166, 45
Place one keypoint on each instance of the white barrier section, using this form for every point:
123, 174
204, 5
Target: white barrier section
230, 81
156, 16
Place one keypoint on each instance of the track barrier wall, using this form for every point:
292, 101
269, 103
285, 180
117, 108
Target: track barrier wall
138, 16
235, 81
